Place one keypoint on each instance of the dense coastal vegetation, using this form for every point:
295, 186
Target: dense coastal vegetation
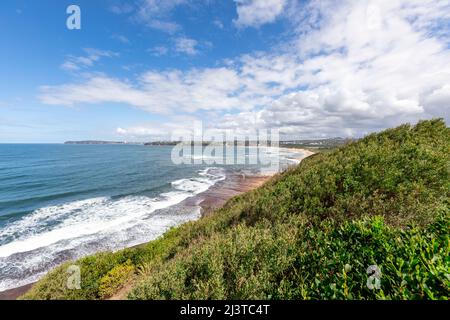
309, 233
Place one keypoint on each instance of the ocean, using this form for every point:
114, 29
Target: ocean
63, 202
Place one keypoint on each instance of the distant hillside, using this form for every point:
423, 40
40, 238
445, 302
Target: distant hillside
310, 233
161, 143
99, 142
315, 144
93, 142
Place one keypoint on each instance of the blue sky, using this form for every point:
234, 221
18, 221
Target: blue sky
138, 70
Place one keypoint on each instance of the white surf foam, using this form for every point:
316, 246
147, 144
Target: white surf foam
87, 226
210, 176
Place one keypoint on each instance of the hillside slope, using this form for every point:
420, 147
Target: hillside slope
310, 233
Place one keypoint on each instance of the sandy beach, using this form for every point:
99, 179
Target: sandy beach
219, 194
305, 152
235, 184
13, 294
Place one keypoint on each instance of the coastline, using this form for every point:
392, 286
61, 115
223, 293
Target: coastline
307, 153
234, 185
214, 198
219, 194
208, 201
13, 294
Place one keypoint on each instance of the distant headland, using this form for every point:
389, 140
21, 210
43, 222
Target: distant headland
100, 142
312, 143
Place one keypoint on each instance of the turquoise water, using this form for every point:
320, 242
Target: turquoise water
60, 202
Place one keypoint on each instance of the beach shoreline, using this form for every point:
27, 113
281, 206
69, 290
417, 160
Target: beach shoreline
214, 198
307, 153
208, 201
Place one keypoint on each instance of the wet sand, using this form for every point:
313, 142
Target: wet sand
220, 193
13, 294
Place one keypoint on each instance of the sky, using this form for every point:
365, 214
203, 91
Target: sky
138, 70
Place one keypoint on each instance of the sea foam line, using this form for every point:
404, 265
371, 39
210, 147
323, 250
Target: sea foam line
52, 224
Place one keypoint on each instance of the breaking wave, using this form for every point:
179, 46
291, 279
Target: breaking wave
33, 245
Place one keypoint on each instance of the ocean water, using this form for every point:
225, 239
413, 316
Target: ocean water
62, 202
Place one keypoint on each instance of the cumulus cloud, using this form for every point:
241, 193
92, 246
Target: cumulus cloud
350, 68
376, 68
156, 14
173, 129
147, 131
121, 38
181, 45
121, 8
91, 56
380, 66
161, 92
159, 7
158, 51
186, 45
254, 13
218, 24
96, 89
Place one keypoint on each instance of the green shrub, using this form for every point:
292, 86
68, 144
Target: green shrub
293, 262
114, 280
94, 268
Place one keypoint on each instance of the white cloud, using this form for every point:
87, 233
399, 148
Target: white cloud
384, 64
74, 63
121, 8
161, 92
96, 89
381, 66
186, 45
375, 68
156, 14
177, 125
122, 131
438, 101
158, 7
254, 13
169, 27
121, 38
218, 24
158, 51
